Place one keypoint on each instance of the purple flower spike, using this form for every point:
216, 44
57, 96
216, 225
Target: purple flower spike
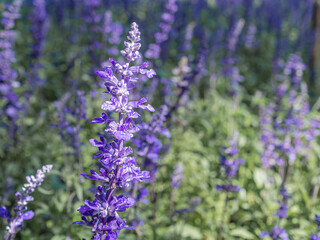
20, 208
7, 75
276, 234
177, 176
165, 25
118, 168
230, 165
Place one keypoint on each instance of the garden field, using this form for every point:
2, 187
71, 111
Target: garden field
160, 119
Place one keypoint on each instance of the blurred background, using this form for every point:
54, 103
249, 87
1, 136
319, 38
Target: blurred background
222, 66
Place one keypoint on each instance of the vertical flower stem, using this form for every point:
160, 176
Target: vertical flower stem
78, 152
154, 209
65, 167
171, 205
223, 215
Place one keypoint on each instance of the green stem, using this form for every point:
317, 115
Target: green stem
223, 216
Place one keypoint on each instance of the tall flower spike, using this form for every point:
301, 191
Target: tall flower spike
167, 19
177, 176
7, 57
230, 165
20, 208
118, 168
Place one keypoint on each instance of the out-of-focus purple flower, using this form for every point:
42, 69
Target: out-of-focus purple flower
118, 169
314, 237
287, 126
250, 40
177, 176
188, 36
187, 77
230, 69
194, 202
148, 143
20, 208
71, 114
167, 19
112, 32
230, 165
7, 57
39, 27
92, 18
276, 234
234, 35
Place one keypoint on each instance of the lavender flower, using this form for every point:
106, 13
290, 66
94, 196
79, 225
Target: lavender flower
234, 34
112, 32
230, 165
282, 211
118, 168
250, 37
165, 25
20, 208
286, 124
92, 18
69, 127
39, 27
148, 143
186, 77
177, 176
230, 70
7, 74
276, 234
316, 236
188, 36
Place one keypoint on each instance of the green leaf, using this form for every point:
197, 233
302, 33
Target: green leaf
242, 233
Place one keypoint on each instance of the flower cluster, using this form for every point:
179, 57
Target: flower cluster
316, 236
70, 117
177, 176
230, 165
39, 27
118, 169
165, 25
185, 77
282, 211
277, 233
111, 33
288, 130
20, 208
7, 57
250, 40
230, 70
148, 143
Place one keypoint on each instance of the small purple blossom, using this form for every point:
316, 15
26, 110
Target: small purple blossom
314, 237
